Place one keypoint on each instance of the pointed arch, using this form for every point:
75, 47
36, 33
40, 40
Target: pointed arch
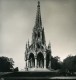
40, 60
31, 60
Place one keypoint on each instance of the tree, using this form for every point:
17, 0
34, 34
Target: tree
55, 63
6, 64
16, 69
69, 64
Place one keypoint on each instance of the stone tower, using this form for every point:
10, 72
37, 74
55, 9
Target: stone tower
37, 54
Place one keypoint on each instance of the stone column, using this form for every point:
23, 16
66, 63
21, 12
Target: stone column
44, 60
27, 63
50, 64
35, 62
31, 63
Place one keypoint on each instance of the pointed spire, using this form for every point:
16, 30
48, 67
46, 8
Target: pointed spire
38, 3
38, 22
43, 37
26, 53
49, 46
26, 46
28, 43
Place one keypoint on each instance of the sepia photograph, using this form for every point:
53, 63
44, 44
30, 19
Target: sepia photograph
37, 39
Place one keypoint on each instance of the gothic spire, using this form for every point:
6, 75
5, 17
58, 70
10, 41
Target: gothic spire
49, 46
26, 46
38, 22
26, 53
28, 43
43, 37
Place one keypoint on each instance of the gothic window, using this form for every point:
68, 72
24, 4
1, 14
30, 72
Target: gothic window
38, 34
35, 35
42, 47
38, 46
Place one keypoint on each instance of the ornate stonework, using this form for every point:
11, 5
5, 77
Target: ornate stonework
37, 54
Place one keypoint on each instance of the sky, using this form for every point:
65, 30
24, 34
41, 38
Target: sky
17, 19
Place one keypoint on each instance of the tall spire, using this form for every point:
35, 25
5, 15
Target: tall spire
43, 37
49, 46
38, 22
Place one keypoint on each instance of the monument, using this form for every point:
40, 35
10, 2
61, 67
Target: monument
37, 54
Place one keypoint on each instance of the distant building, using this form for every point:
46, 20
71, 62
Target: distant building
37, 54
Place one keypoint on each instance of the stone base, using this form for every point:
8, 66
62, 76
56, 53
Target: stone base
38, 69
29, 74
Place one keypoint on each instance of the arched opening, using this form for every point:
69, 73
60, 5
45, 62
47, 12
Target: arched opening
40, 60
31, 60
47, 60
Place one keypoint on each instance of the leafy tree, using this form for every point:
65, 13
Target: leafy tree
69, 64
16, 69
6, 64
55, 63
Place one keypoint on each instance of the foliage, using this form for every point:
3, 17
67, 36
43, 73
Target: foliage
56, 63
6, 64
16, 69
69, 64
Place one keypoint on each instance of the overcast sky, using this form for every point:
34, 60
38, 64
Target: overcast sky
17, 19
